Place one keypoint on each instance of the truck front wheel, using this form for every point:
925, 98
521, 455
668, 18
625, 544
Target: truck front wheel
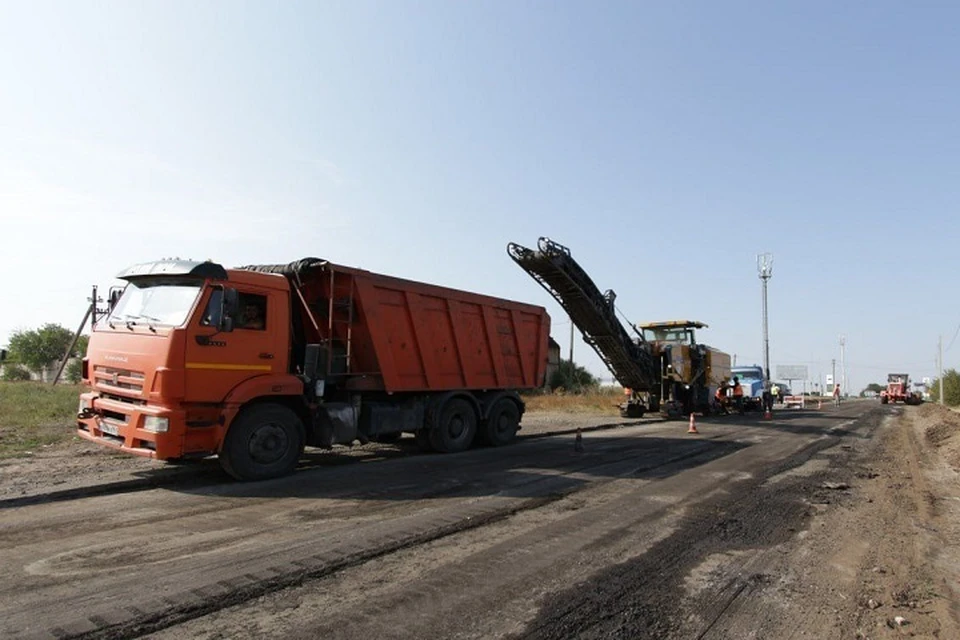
456, 427
632, 410
264, 441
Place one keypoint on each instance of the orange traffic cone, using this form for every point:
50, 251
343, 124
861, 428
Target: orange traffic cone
767, 415
693, 425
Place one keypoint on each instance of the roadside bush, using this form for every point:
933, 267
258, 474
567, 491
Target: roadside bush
572, 378
72, 373
15, 373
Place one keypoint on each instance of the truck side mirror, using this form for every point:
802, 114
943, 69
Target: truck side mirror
229, 305
114, 297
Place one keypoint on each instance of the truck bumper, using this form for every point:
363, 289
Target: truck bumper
120, 426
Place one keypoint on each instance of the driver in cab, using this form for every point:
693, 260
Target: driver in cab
251, 317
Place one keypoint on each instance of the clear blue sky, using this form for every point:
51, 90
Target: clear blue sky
666, 143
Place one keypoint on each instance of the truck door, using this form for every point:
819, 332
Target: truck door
216, 362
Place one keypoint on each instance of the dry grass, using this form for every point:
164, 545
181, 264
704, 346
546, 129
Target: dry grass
600, 402
33, 415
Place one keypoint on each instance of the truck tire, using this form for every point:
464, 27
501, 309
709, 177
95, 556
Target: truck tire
456, 428
633, 410
264, 441
423, 440
502, 423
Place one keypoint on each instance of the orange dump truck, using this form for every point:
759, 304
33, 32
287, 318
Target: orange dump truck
255, 363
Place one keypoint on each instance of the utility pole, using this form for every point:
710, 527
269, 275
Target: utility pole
765, 272
833, 363
91, 311
843, 364
571, 341
940, 368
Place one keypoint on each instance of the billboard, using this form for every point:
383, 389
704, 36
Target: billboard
792, 372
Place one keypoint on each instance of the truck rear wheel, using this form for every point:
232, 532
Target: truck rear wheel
456, 428
264, 441
502, 424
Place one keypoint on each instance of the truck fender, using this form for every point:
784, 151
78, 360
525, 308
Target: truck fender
283, 389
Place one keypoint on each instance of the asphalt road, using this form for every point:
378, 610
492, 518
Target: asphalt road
534, 540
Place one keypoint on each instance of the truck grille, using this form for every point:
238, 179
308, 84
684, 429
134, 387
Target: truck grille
114, 397
118, 379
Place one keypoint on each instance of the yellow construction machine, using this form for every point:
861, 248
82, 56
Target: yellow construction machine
661, 365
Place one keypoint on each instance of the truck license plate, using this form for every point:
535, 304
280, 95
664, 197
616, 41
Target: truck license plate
109, 429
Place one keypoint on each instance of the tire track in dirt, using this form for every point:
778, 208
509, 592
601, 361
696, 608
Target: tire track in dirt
192, 603
646, 597
200, 475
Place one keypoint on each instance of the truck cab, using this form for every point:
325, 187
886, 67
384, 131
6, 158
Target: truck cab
752, 381
182, 349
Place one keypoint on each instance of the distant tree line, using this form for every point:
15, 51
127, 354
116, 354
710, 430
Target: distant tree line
33, 352
873, 387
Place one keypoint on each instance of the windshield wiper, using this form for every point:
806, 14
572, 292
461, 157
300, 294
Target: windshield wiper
131, 321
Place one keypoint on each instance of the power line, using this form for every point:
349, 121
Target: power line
954, 338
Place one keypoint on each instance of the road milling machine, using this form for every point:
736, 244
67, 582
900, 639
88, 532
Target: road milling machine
662, 367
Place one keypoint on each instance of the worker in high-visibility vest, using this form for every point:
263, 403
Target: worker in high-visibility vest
721, 396
737, 394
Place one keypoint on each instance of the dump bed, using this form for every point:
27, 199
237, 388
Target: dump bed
398, 335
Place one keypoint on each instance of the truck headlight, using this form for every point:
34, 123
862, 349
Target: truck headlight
84, 404
154, 424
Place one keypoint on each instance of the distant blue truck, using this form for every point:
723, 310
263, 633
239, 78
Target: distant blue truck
751, 380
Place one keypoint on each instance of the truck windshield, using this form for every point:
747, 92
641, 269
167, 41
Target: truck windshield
155, 302
748, 374
667, 335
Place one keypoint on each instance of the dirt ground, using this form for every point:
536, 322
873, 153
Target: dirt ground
879, 557
78, 465
839, 523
